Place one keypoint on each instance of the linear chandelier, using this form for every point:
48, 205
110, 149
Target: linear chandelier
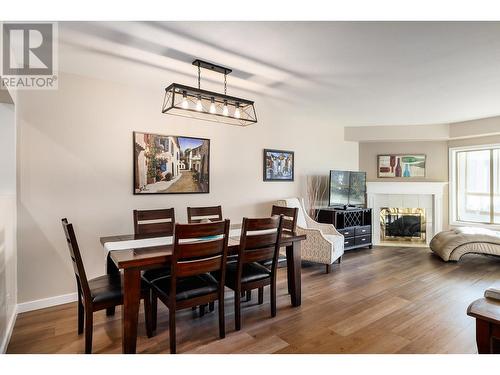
187, 101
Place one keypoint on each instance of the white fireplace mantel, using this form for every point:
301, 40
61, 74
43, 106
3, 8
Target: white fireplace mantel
378, 192
400, 187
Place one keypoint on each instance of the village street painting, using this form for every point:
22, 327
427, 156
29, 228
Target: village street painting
165, 164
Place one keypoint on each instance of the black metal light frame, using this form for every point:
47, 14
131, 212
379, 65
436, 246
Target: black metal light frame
188, 101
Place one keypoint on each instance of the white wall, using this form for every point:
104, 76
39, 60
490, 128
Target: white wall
8, 264
75, 161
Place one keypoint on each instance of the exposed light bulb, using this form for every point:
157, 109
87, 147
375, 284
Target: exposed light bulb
199, 107
225, 111
237, 111
184, 103
212, 106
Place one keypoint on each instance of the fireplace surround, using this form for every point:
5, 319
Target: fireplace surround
399, 194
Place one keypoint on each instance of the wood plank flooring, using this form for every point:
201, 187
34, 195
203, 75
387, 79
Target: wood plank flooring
384, 300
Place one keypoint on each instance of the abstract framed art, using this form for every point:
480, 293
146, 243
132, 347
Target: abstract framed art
278, 165
401, 165
167, 164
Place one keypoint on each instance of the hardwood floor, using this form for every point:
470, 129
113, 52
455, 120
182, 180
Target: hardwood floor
384, 300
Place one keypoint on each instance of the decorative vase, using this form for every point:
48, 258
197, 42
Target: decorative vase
398, 168
406, 172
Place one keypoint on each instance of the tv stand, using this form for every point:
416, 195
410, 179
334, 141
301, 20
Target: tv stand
354, 223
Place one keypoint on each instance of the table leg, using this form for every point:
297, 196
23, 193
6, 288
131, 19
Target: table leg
130, 311
294, 271
483, 337
111, 269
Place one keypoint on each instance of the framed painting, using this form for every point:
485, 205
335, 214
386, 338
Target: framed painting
170, 164
401, 166
278, 165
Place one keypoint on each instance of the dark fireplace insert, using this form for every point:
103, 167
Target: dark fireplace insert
402, 224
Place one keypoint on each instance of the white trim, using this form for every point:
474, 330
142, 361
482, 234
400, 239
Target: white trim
376, 190
8, 331
30, 306
476, 225
46, 302
452, 177
403, 187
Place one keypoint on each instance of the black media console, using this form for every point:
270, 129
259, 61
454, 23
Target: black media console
355, 224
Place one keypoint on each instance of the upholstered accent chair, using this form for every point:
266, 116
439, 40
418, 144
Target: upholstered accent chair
324, 244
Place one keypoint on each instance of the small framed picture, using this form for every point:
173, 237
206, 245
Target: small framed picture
401, 166
278, 165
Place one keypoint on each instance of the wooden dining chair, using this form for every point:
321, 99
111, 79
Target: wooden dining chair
199, 214
198, 250
153, 222
259, 241
289, 217
149, 223
289, 226
97, 294
205, 214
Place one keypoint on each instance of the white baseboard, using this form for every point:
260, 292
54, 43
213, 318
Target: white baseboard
30, 306
46, 302
8, 332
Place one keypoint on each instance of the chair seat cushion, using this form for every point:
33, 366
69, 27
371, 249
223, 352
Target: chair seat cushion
154, 274
109, 288
187, 287
268, 263
251, 272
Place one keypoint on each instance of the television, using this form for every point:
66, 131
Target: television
347, 188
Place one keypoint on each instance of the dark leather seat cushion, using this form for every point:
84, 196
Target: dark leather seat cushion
269, 262
109, 287
187, 287
251, 272
154, 274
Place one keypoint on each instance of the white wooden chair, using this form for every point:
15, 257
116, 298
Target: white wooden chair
324, 244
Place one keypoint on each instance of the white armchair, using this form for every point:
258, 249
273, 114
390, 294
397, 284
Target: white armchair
324, 244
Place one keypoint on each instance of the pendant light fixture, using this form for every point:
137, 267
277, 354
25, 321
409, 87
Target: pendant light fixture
186, 101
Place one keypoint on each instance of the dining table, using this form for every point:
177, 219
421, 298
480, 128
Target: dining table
133, 253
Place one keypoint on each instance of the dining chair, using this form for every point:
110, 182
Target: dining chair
206, 214
259, 241
289, 226
200, 214
97, 294
160, 221
289, 217
154, 222
198, 249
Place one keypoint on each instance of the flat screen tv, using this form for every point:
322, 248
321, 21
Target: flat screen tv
347, 188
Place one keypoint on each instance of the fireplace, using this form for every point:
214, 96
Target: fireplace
403, 225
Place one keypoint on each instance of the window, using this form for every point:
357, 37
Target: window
475, 184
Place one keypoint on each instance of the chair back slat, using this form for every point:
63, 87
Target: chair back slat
76, 258
198, 266
256, 255
289, 217
264, 239
199, 230
268, 223
198, 214
201, 248
198, 249
161, 228
160, 221
260, 239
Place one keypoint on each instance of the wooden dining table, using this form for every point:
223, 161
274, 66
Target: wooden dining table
134, 260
